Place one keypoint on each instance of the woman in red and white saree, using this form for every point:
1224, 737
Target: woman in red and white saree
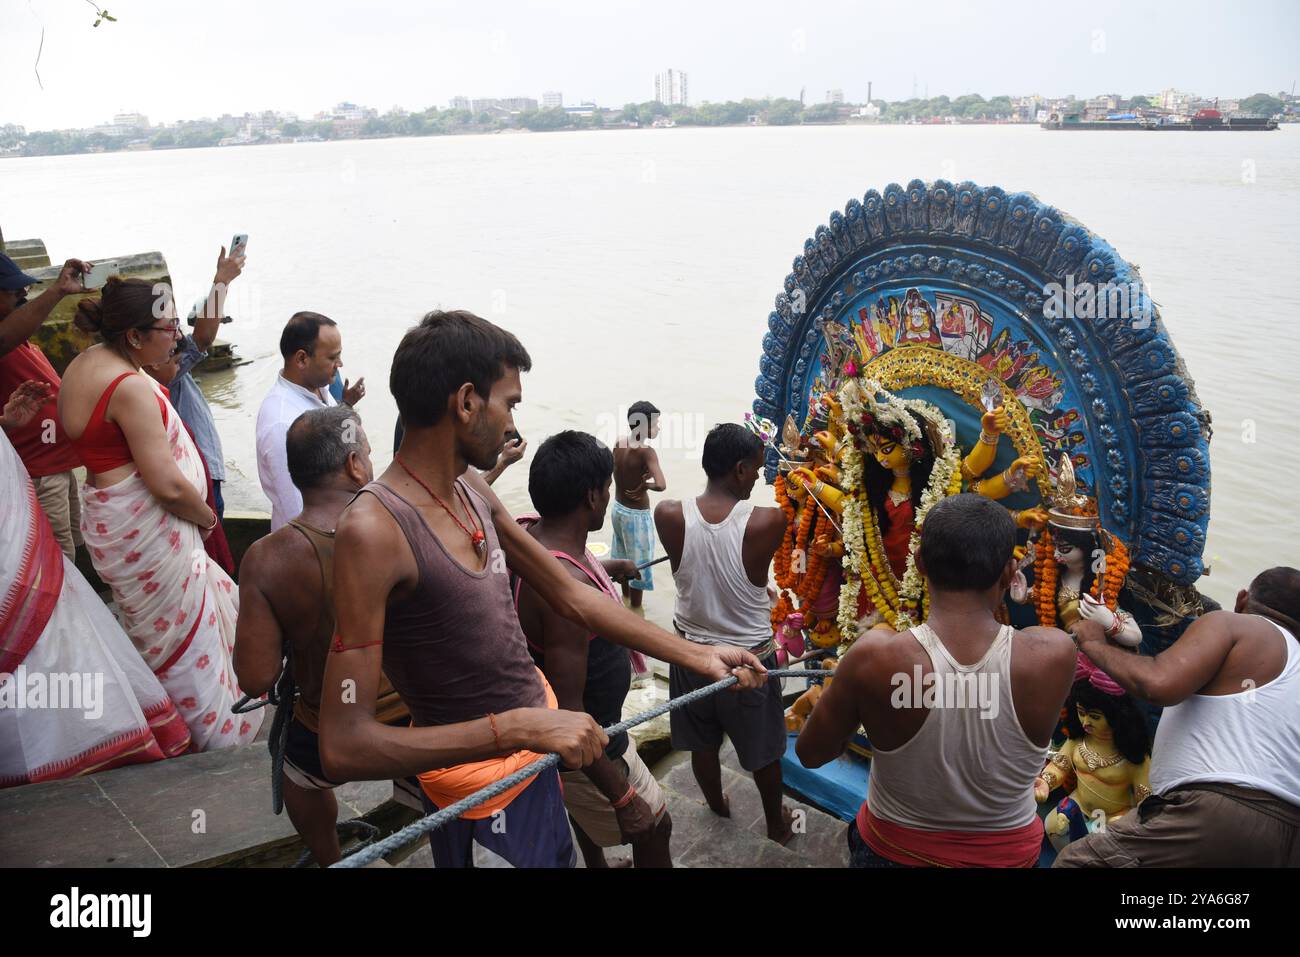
144, 517
56, 633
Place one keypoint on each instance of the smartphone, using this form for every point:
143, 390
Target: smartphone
98, 275
238, 244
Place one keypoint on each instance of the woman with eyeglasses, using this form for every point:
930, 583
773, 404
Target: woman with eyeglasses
144, 518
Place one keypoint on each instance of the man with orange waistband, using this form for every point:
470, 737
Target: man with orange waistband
422, 586
960, 710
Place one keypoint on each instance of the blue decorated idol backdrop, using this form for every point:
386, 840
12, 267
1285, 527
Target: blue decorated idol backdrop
941, 290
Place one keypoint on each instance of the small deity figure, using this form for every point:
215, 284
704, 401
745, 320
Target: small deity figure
996, 350
918, 321
866, 335
887, 321
1104, 763
1079, 568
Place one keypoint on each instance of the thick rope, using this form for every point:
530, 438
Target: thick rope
373, 852
354, 827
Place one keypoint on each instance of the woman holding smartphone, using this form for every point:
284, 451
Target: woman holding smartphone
144, 518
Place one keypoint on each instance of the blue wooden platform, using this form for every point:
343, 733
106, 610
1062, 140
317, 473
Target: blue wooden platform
841, 786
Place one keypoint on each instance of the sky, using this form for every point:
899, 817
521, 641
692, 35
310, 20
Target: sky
182, 59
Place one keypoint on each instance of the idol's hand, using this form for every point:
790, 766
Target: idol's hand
995, 422
1034, 518
1028, 465
804, 476
1041, 789
1093, 610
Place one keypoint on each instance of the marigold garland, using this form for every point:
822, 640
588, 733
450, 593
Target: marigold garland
818, 564
801, 542
1105, 587
782, 559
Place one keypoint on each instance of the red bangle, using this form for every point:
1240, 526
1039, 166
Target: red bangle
626, 799
492, 719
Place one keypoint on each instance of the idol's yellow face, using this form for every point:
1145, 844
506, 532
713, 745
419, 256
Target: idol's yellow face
1094, 722
889, 454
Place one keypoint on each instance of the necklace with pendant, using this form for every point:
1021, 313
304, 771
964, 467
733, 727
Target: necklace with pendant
476, 536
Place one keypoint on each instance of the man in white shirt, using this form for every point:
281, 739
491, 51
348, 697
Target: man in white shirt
1225, 781
313, 351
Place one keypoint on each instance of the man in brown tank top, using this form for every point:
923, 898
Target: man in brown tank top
286, 598
422, 587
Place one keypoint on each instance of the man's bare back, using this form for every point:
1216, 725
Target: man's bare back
636, 474
282, 600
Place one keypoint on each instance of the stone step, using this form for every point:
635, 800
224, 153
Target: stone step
819, 839
702, 839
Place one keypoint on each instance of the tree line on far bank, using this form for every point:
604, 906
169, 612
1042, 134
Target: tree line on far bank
440, 122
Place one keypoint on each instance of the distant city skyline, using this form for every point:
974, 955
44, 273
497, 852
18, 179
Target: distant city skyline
173, 61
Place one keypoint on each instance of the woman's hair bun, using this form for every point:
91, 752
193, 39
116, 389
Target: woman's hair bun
90, 315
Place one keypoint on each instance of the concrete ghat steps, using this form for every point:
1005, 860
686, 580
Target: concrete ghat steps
702, 839
146, 816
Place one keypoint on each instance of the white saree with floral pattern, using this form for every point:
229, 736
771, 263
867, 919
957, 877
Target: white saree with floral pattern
177, 605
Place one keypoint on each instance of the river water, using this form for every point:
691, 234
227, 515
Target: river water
642, 264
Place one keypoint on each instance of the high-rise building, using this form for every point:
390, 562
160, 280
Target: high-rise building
552, 100
834, 96
670, 88
459, 103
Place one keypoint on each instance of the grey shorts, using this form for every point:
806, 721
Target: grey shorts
753, 720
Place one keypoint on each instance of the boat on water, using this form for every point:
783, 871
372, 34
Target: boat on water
1208, 119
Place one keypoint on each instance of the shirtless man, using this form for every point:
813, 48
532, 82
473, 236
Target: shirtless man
636, 473
286, 598
1225, 778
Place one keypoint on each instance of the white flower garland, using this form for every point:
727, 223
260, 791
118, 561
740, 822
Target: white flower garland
855, 546
913, 585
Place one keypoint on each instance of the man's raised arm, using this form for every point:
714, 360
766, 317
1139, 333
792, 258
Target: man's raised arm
1177, 673
595, 612
19, 326
832, 723
371, 559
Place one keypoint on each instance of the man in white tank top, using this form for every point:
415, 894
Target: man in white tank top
1225, 766
721, 548
959, 710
